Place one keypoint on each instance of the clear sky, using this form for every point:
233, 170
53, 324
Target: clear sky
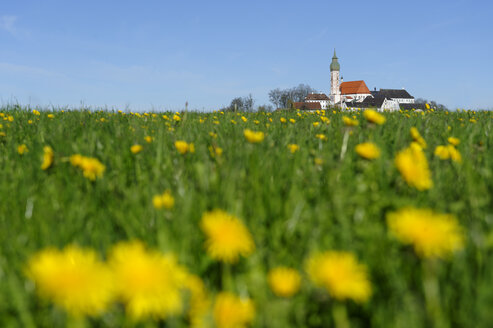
157, 55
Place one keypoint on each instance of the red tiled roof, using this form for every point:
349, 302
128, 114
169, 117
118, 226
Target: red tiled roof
354, 87
307, 105
316, 96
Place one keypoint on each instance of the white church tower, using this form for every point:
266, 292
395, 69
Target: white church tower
335, 92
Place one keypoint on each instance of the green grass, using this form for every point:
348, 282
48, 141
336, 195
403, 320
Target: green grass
292, 207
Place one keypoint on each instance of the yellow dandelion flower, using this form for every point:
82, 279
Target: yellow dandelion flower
349, 121
73, 279
253, 136
283, 120
149, 283
293, 148
325, 119
92, 168
292, 120
374, 117
368, 150
183, 147
442, 152
315, 124
284, 282
433, 235
35, 112
50, 116
321, 136
230, 311
417, 137
427, 106
176, 118
48, 156
257, 122
164, 200
135, 149
148, 139
453, 141
454, 154
318, 161
10, 118
22, 149
213, 135
199, 302
227, 237
413, 166
341, 274
244, 119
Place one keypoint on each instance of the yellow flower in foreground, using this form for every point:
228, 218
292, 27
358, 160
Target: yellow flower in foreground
292, 120
149, 283
284, 282
22, 149
199, 302
432, 234
293, 148
315, 124
252, 136
73, 279
50, 116
165, 200
448, 152
374, 117
368, 150
92, 168
321, 136
227, 237
349, 121
184, 147
177, 118
341, 274
417, 137
231, 311
35, 112
48, 156
283, 120
427, 106
135, 149
453, 141
148, 139
244, 119
413, 166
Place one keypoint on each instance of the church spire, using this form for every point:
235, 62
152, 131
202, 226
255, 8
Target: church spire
334, 66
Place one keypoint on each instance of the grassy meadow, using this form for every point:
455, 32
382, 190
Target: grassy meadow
295, 201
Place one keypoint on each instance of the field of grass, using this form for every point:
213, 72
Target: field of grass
320, 197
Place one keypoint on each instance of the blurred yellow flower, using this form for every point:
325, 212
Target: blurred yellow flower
22, 149
315, 124
374, 117
184, 147
368, 150
413, 166
442, 152
341, 274
213, 135
148, 139
164, 200
135, 149
73, 279
283, 120
318, 161
293, 148
227, 236
321, 136
177, 118
244, 119
149, 283
35, 112
417, 137
349, 121
48, 156
292, 120
231, 311
199, 302
453, 141
91, 168
325, 119
252, 136
50, 116
427, 106
433, 235
284, 282
448, 152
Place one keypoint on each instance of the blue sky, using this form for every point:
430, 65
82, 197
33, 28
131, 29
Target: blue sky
146, 55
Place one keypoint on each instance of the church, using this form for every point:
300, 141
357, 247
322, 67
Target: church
355, 94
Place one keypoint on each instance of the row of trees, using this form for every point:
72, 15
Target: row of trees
281, 98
